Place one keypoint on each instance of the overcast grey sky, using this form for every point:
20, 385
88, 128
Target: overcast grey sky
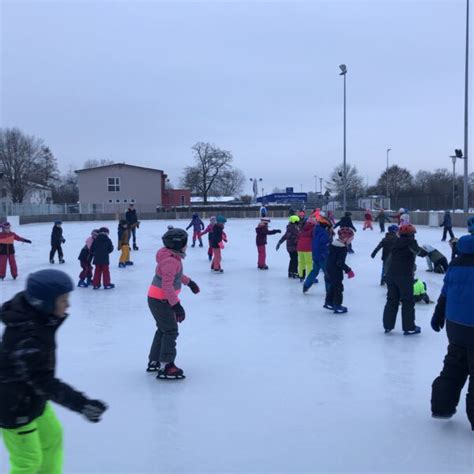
141, 82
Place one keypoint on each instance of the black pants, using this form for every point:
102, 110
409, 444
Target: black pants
399, 289
446, 230
134, 234
423, 297
163, 347
441, 265
382, 226
56, 248
293, 265
446, 388
334, 291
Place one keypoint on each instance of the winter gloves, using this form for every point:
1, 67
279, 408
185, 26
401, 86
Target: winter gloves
179, 312
350, 274
93, 410
437, 321
27, 241
194, 287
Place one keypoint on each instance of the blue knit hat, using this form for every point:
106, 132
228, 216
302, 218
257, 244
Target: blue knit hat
44, 287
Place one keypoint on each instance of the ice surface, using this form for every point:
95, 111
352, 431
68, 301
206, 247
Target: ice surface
275, 383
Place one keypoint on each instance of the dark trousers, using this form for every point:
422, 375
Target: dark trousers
423, 297
382, 226
293, 265
441, 265
86, 270
163, 347
446, 388
446, 230
399, 289
334, 291
56, 248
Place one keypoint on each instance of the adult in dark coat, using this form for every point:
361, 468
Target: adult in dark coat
291, 239
400, 268
31, 431
381, 219
57, 240
133, 224
447, 226
455, 307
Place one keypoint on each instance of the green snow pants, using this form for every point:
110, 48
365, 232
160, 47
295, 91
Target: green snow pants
36, 448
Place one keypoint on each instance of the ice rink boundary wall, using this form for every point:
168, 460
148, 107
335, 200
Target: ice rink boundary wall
417, 218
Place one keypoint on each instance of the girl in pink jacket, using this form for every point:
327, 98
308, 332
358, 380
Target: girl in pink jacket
165, 305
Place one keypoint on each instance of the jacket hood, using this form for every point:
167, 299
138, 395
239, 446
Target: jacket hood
167, 253
466, 244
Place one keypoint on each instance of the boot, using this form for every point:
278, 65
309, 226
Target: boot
135, 247
51, 260
61, 260
170, 371
109, 287
82, 284
128, 263
121, 265
410, 332
153, 366
340, 309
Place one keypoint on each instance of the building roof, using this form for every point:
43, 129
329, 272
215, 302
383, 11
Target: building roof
120, 165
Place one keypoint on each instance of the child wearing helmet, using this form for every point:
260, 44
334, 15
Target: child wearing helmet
291, 238
399, 271
198, 226
165, 305
386, 244
335, 269
31, 431
7, 250
57, 240
100, 250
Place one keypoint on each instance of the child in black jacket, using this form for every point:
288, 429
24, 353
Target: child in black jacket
335, 269
386, 244
57, 240
100, 250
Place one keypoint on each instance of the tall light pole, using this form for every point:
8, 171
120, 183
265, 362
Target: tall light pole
386, 171
255, 187
321, 186
315, 184
453, 157
343, 73
466, 111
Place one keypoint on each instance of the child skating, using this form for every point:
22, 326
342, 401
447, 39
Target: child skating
7, 250
165, 305
100, 250
291, 238
30, 429
386, 244
208, 230
262, 231
304, 247
335, 269
198, 226
57, 240
368, 219
217, 243
123, 232
85, 260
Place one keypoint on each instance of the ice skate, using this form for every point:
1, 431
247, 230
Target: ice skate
135, 247
443, 416
61, 260
121, 265
96, 287
386, 331
410, 332
170, 371
153, 366
82, 284
128, 264
340, 309
328, 306
51, 260
109, 287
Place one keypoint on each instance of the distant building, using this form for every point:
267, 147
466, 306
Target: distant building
35, 193
113, 187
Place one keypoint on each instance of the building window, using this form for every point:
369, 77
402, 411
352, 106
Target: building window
132, 200
182, 200
117, 201
113, 185
110, 201
125, 200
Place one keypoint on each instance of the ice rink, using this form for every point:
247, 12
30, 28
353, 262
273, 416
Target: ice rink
274, 382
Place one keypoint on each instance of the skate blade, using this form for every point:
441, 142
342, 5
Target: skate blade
170, 377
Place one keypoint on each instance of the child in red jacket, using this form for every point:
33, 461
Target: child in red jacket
262, 231
7, 250
368, 218
304, 248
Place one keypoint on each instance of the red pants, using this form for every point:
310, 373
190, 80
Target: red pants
216, 261
3, 265
262, 255
101, 271
368, 225
86, 271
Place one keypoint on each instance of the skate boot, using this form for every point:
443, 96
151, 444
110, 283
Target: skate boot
121, 265
82, 284
51, 260
135, 247
386, 331
61, 260
96, 287
340, 309
153, 366
89, 281
328, 306
2, 278
443, 416
170, 371
200, 245
128, 264
209, 257
410, 332
109, 287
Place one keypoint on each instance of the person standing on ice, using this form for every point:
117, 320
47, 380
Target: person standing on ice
208, 230
133, 223
198, 226
31, 431
123, 246
386, 244
381, 219
165, 305
262, 231
455, 307
263, 212
447, 226
57, 240
346, 221
335, 269
217, 244
399, 271
85, 258
291, 238
304, 247
100, 250
368, 218
7, 250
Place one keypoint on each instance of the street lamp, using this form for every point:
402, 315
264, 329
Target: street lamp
386, 172
321, 185
343, 73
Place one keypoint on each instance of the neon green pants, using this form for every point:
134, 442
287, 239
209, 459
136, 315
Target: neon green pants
36, 448
305, 262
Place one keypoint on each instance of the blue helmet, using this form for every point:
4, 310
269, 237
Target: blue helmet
44, 286
470, 224
393, 228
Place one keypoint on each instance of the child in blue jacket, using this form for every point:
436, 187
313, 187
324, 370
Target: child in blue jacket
198, 226
455, 306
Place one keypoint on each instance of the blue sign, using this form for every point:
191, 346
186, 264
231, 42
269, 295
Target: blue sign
284, 197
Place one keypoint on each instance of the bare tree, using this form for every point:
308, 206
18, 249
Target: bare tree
354, 182
93, 163
230, 183
211, 163
398, 180
66, 189
24, 159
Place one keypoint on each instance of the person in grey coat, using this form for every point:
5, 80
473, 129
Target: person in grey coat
447, 226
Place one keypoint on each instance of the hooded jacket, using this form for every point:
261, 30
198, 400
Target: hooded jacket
291, 236
401, 261
217, 235
262, 231
305, 238
336, 262
131, 217
196, 223
28, 364
320, 243
57, 236
446, 220
386, 244
169, 276
101, 248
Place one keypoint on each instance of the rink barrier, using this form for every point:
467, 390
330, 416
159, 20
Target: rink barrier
230, 212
